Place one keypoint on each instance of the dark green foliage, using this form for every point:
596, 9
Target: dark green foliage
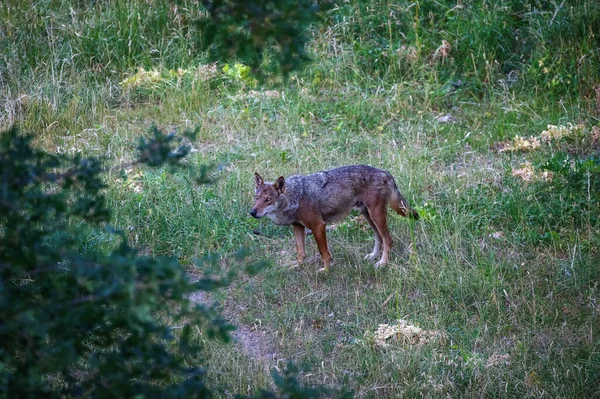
158, 151
248, 29
73, 324
99, 325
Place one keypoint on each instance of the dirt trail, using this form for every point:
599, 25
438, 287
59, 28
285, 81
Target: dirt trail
251, 339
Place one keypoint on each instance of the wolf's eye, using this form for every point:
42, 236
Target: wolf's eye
268, 199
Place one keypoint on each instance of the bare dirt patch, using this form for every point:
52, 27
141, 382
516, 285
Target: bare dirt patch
252, 340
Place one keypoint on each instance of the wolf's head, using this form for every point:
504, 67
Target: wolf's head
266, 196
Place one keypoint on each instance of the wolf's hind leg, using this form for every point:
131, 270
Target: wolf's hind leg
377, 248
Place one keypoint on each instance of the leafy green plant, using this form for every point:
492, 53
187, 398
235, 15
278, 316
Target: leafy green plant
144, 83
238, 73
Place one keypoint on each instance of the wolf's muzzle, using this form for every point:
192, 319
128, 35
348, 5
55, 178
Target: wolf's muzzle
253, 213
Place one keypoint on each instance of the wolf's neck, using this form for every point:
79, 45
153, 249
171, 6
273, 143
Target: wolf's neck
286, 212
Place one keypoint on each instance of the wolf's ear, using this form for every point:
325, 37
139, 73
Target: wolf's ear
258, 181
280, 185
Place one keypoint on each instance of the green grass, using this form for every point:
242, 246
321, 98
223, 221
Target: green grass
501, 266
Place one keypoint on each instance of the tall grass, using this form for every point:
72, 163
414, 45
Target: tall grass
65, 58
542, 45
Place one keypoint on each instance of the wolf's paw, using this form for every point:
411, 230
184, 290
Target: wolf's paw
380, 264
323, 271
371, 256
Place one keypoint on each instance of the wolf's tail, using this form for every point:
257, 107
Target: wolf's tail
400, 204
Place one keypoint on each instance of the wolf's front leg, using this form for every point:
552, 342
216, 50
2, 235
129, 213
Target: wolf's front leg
378, 216
300, 242
377, 248
321, 239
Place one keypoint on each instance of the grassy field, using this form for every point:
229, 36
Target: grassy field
504, 261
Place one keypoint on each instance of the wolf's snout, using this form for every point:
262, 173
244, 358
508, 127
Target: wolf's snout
253, 213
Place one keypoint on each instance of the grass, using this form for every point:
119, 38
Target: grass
501, 265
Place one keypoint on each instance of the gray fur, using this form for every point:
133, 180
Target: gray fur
333, 192
327, 197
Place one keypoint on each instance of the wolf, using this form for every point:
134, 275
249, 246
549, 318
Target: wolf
315, 200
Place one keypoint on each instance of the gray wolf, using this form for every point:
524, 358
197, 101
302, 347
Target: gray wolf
313, 201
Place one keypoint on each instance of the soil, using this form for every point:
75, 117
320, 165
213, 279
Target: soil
253, 340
